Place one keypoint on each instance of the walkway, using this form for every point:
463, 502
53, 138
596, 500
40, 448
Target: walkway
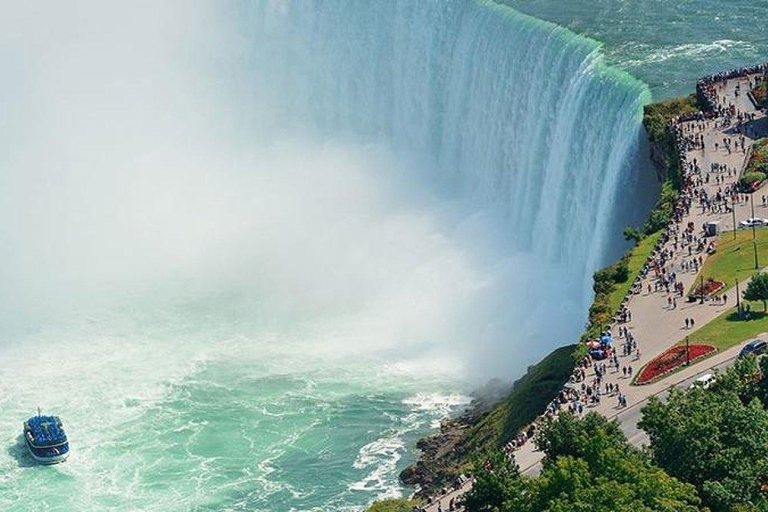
656, 326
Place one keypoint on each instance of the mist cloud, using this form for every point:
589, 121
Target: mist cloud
128, 171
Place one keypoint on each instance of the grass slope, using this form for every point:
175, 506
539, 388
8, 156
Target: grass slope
396, 505
636, 258
530, 395
729, 330
735, 259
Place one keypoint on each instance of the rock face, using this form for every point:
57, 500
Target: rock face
416, 474
659, 159
439, 458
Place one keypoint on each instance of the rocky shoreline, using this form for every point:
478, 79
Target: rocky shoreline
442, 454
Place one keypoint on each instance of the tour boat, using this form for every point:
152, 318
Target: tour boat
46, 440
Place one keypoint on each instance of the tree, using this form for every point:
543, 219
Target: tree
632, 234
716, 439
496, 487
757, 289
588, 467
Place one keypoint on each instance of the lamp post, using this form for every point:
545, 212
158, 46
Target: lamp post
752, 206
733, 214
701, 289
738, 296
754, 241
687, 351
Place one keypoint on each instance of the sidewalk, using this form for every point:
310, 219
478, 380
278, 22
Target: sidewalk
655, 325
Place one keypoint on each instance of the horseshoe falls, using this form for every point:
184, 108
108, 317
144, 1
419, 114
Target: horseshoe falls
250, 252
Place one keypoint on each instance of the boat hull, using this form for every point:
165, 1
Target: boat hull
53, 459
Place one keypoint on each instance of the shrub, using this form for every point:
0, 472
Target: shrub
621, 273
752, 177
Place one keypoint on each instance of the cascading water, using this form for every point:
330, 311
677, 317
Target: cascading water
251, 253
522, 112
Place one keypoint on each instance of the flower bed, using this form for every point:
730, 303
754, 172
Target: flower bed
669, 361
710, 288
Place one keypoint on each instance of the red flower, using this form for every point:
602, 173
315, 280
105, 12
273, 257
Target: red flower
670, 360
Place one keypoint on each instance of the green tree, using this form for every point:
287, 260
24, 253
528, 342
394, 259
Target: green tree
757, 289
588, 467
496, 489
716, 439
632, 234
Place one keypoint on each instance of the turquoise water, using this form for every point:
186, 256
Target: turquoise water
251, 252
667, 45
171, 415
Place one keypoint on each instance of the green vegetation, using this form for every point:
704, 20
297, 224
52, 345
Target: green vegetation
588, 466
635, 259
542, 382
758, 162
393, 506
735, 258
530, 395
761, 93
717, 439
730, 329
612, 284
708, 452
752, 177
757, 289
656, 116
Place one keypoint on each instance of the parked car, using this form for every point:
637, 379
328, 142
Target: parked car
704, 381
755, 347
754, 221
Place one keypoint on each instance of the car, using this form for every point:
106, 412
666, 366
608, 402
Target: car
754, 221
703, 382
754, 347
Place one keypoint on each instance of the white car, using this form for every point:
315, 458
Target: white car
703, 382
753, 222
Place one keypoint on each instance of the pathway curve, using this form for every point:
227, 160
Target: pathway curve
655, 325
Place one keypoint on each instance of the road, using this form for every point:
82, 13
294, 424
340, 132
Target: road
629, 418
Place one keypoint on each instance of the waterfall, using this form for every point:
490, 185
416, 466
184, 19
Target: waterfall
264, 246
523, 113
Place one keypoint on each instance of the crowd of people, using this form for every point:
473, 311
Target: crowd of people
588, 384
583, 392
706, 87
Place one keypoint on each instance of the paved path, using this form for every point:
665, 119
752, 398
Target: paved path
656, 326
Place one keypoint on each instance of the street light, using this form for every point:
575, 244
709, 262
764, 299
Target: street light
738, 296
687, 351
754, 241
733, 213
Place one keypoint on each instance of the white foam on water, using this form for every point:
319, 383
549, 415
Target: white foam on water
347, 201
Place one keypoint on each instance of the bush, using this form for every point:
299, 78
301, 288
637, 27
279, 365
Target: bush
621, 273
750, 178
632, 234
661, 214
